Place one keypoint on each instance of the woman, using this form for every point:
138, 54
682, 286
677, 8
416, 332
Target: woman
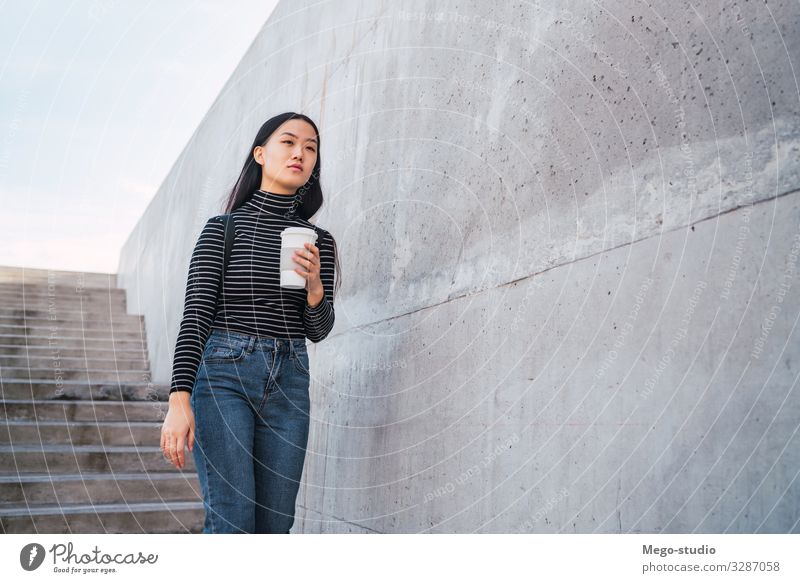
240, 373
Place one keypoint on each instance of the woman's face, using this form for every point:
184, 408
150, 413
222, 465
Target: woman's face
293, 144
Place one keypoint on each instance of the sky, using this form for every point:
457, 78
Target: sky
97, 100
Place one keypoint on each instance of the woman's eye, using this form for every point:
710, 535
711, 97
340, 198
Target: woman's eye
290, 142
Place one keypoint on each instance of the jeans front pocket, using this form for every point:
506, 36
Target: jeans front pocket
222, 353
300, 360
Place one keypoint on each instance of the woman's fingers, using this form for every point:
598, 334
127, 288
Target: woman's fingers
307, 261
311, 252
180, 452
165, 445
170, 451
306, 257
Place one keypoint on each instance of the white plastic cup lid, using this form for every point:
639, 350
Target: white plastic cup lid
298, 231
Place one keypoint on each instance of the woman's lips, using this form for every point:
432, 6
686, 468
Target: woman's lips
296, 169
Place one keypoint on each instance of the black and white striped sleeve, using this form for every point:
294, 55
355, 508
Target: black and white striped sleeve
202, 289
318, 321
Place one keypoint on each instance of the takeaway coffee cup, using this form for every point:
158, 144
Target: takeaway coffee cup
293, 238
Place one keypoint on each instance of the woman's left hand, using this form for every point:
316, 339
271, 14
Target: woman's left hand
309, 258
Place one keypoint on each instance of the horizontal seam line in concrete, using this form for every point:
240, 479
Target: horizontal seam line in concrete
608, 250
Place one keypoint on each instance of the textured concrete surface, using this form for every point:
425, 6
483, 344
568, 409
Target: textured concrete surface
569, 245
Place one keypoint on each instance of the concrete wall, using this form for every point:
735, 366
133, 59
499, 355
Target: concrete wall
569, 247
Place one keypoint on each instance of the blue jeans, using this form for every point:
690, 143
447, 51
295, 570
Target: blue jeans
251, 408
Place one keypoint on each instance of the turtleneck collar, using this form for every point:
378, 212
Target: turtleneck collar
271, 202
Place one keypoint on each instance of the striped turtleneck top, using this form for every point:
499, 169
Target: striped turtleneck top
251, 300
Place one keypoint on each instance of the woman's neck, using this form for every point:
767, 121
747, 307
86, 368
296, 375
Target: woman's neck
272, 202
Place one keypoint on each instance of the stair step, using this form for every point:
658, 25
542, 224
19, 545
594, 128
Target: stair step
90, 308
97, 488
79, 390
16, 373
39, 327
121, 363
58, 292
79, 279
76, 319
139, 517
59, 458
56, 286
88, 341
76, 335
107, 352
55, 410
86, 312
103, 433
54, 305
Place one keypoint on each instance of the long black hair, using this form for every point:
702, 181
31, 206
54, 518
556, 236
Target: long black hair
309, 196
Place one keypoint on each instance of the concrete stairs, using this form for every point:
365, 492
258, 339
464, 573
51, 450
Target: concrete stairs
80, 421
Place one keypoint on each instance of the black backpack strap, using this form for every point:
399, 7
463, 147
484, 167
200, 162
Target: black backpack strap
230, 230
